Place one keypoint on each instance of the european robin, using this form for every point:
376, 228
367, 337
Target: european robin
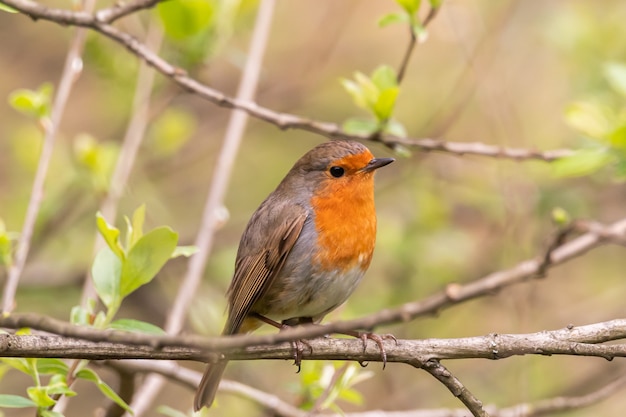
305, 248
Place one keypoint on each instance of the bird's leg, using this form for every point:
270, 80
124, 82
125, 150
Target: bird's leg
296, 345
376, 338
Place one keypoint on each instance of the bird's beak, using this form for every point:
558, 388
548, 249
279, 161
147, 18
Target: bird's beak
376, 163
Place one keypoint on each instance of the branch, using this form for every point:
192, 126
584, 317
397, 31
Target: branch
281, 120
441, 374
121, 9
572, 341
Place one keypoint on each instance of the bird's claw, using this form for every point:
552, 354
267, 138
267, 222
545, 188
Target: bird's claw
298, 349
378, 339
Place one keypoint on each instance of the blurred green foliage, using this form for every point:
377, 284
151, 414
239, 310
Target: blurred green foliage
603, 127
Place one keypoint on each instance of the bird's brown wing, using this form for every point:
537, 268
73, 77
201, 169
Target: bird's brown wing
254, 273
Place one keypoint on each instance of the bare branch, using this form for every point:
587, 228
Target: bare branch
121, 9
441, 374
281, 120
573, 341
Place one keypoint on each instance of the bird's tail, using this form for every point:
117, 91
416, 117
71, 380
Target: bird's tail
208, 385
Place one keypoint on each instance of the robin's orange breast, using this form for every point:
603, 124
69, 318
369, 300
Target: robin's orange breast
345, 221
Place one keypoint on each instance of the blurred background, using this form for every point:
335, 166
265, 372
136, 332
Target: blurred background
507, 73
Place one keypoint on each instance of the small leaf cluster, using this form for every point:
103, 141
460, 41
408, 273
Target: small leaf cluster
317, 377
376, 94
117, 271
604, 129
33, 103
44, 396
408, 15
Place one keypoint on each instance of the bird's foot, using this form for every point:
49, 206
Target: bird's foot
376, 338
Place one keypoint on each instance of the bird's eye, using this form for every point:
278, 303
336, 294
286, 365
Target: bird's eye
337, 171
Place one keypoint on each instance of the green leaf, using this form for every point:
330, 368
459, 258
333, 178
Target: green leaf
617, 138
394, 127
35, 103
15, 401
58, 386
135, 229
411, 6
185, 18
112, 395
7, 9
106, 272
6, 247
588, 118
19, 364
89, 375
384, 77
50, 413
419, 31
360, 126
96, 160
61, 390
40, 396
615, 73
393, 18
111, 236
369, 90
560, 217
583, 162
80, 316
170, 412
383, 108
51, 366
130, 325
435, 4
100, 319
146, 258
354, 90
185, 251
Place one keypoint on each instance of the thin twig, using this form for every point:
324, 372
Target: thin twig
432, 13
281, 120
71, 72
407, 55
441, 374
121, 9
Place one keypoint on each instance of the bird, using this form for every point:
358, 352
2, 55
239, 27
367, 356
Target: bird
305, 248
